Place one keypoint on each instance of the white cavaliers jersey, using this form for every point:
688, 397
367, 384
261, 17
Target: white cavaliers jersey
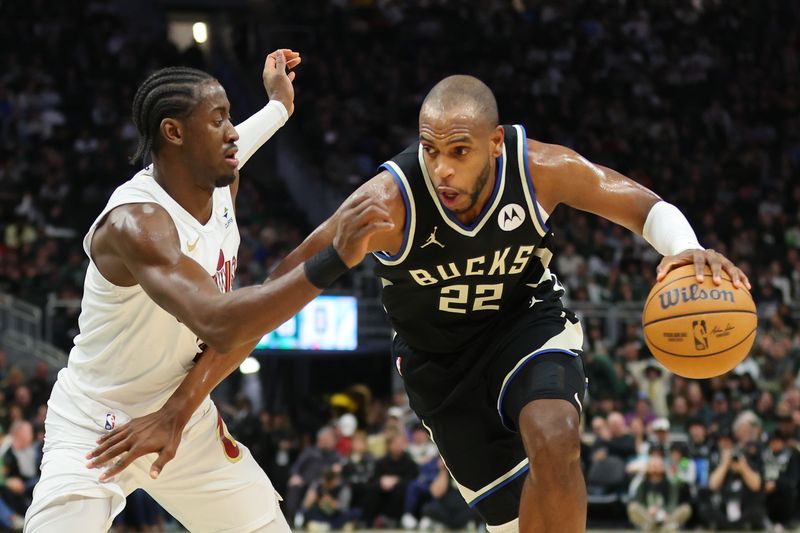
131, 354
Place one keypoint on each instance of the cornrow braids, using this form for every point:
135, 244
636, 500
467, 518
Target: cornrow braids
169, 92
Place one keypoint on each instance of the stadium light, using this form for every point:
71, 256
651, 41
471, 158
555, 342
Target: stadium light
200, 32
250, 366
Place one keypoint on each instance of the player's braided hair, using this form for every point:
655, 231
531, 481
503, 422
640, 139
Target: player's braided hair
169, 92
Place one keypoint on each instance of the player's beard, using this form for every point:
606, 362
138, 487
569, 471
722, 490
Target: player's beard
224, 181
483, 179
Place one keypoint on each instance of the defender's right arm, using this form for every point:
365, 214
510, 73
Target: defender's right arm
382, 188
138, 243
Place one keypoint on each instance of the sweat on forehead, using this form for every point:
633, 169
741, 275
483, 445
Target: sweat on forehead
460, 97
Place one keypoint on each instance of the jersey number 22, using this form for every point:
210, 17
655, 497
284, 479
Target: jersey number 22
456, 298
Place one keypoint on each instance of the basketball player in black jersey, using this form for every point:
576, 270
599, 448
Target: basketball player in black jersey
490, 358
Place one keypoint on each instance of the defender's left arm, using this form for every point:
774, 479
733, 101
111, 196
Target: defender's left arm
258, 128
562, 176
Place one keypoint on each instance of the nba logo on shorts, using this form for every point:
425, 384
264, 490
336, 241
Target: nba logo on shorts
111, 421
397, 363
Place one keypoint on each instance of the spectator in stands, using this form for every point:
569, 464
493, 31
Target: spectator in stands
40, 384
643, 411
722, 416
781, 479
786, 425
682, 472
654, 383
600, 370
308, 469
736, 478
327, 502
446, 507
345, 427
385, 499
655, 504
21, 459
699, 450
765, 409
680, 468
622, 443
679, 415
606, 472
245, 423
698, 406
660, 434
421, 448
639, 432
358, 470
418, 492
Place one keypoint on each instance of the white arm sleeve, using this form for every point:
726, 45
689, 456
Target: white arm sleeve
257, 130
668, 231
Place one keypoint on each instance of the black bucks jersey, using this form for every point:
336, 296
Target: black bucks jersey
450, 283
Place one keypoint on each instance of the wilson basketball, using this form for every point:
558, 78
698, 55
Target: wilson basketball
699, 330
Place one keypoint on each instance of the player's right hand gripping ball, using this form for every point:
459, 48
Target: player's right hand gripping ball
699, 330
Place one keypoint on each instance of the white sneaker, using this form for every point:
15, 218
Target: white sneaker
409, 522
425, 524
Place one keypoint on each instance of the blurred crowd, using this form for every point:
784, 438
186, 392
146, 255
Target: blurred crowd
697, 99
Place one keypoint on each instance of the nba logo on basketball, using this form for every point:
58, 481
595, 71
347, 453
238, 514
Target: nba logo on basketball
111, 421
700, 334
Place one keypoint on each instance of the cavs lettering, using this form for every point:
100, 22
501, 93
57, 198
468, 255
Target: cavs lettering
226, 271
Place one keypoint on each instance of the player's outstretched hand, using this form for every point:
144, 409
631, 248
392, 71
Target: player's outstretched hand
360, 217
701, 258
277, 79
158, 432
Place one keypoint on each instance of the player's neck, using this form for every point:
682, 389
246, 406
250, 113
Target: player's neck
469, 216
197, 201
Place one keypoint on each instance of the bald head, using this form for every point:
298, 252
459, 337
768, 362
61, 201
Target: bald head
462, 95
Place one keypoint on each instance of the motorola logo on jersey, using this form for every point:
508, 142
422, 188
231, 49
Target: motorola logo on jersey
511, 217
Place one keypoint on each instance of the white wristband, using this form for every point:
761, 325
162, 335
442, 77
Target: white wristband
668, 231
257, 129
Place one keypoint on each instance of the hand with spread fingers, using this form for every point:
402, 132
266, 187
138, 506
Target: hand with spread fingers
158, 432
700, 258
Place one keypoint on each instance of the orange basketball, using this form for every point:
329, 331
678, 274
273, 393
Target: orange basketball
699, 330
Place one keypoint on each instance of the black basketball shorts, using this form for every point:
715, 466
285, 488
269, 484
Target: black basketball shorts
463, 401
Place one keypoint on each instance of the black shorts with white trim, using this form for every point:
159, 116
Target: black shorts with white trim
470, 402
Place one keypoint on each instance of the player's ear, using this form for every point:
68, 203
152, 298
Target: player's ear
172, 131
497, 141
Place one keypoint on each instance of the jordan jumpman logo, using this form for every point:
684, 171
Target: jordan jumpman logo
432, 239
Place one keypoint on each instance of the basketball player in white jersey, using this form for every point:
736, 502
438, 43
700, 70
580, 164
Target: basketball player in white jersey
158, 288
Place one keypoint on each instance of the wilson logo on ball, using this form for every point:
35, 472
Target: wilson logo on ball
692, 294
